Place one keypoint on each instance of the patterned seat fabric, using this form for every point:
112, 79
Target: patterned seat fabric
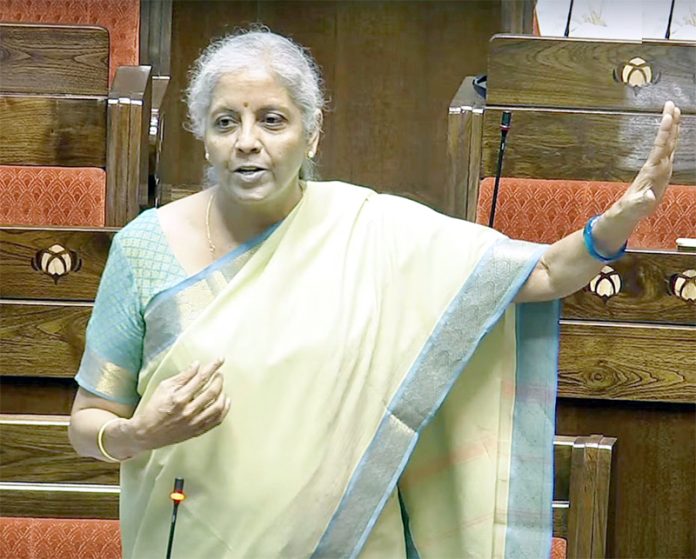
121, 18
544, 211
54, 538
558, 548
68, 196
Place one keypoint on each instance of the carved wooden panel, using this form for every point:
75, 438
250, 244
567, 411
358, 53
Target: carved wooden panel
32, 268
627, 362
36, 449
618, 75
548, 144
643, 290
59, 131
70, 60
651, 512
37, 395
42, 340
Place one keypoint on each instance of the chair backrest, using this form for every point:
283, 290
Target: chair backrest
121, 18
60, 121
582, 125
582, 475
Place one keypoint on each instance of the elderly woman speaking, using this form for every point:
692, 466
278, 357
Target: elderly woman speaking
334, 372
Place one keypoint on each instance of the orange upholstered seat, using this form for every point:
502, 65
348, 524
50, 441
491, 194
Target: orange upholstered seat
59, 538
547, 210
69, 196
559, 548
121, 18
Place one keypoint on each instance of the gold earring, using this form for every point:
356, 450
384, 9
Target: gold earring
310, 155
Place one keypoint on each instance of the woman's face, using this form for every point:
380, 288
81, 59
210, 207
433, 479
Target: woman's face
255, 137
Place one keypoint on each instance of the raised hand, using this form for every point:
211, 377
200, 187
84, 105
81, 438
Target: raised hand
645, 193
182, 407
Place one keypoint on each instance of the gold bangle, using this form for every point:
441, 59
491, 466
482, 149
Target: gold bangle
100, 441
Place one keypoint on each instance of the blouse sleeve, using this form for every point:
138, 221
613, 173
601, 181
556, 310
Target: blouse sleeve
114, 340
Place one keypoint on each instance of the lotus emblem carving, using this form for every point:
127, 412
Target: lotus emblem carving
683, 285
56, 262
636, 73
606, 284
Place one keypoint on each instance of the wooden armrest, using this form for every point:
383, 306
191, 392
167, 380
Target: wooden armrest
686, 245
130, 103
160, 89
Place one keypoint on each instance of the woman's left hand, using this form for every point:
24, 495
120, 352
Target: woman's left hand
645, 193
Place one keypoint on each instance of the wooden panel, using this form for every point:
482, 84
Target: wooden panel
562, 452
560, 520
36, 449
70, 60
601, 506
582, 487
644, 295
653, 491
554, 72
58, 131
600, 360
51, 502
546, 144
42, 340
20, 246
44, 395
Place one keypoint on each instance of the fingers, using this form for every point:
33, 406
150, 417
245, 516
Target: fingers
214, 414
667, 134
186, 375
206, 396
196, 382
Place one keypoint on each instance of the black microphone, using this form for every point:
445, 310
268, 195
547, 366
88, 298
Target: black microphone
177, 495
504, 129
669, 21
566, 33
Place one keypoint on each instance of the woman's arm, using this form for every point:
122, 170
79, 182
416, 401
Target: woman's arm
567, 266
89, 413
182, 407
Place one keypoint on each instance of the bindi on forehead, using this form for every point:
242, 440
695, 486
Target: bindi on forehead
246, 105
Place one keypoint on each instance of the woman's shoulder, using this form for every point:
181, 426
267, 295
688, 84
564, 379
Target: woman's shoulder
144, 248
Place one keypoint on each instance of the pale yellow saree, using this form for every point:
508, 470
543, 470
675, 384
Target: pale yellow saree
388, 400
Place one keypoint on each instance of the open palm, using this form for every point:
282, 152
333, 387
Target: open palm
645, 193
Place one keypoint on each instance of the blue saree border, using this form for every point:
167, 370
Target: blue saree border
423, 391
530, 514
215, 266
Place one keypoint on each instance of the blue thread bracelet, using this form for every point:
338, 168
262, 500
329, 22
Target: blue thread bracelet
590, 246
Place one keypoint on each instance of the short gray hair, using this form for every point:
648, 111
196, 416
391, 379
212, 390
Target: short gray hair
290, 62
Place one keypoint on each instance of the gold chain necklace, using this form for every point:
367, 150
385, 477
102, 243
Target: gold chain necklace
211, 246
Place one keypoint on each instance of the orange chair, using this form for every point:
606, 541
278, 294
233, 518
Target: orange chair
79, 194
545, 211
57, 538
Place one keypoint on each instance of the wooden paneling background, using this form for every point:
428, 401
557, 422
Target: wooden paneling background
652, 512
390, 68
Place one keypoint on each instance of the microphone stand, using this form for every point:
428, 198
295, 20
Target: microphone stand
669, 20
566, 33
177, 495
504, 129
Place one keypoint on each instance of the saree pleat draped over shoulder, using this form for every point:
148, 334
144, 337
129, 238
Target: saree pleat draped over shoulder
388, 399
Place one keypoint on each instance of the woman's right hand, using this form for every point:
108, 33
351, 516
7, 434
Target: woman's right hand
182, 407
